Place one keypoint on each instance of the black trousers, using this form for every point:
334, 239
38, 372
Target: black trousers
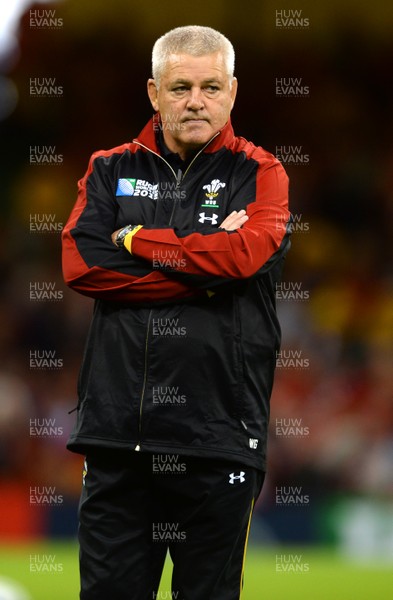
135, 507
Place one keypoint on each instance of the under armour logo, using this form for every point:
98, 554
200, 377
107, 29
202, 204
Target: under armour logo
203, 218
240, 477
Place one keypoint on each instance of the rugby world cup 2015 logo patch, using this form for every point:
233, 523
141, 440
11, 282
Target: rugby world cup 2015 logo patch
128, 186
125, 187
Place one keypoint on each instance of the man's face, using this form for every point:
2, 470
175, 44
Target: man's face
195, 100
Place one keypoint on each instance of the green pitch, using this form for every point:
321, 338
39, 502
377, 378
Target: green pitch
50, 572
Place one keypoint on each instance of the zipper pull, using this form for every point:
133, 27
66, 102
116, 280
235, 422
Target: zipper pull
179, 178
137, 448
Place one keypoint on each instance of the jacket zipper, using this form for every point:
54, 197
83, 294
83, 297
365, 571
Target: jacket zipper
178, 183
138, 446
180, 176
179, 179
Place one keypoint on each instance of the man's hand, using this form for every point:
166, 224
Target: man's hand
234, 220
114, 235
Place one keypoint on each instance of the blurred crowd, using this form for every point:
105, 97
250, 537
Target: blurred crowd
334, 399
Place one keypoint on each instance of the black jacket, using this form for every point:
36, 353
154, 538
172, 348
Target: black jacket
181, 352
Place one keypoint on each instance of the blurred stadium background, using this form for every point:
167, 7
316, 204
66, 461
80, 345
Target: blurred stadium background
327, 506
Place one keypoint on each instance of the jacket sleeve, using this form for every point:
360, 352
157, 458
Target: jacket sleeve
93, 265
215, 256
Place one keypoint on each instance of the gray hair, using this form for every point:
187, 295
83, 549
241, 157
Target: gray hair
194, 40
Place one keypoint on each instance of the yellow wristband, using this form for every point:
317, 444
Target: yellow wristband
129, 236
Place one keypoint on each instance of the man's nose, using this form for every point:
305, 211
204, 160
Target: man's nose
195, 99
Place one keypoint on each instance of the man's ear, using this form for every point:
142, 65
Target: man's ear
152, 92
233, 90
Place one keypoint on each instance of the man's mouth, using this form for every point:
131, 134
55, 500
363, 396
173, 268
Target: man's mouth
194, 120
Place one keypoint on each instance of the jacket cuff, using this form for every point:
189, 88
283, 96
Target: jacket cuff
129, 236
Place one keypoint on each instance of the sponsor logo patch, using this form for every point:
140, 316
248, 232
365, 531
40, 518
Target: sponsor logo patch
237, 478
203, 217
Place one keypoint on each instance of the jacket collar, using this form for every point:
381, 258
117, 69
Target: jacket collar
148, 136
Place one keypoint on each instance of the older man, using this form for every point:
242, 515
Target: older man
180, 237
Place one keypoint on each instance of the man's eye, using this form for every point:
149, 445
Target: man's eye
179, 89
212, 88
